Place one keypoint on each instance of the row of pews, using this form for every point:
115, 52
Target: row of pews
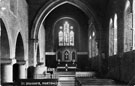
66, 79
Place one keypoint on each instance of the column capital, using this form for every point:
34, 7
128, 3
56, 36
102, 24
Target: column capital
5, 61
34, 40
21, 62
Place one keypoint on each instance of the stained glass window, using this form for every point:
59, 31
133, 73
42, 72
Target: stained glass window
113, 39
66, 35
93, 44
71, 38
60, 38
90, 38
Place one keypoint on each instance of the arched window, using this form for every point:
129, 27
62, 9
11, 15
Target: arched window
73, 56
115, 34
90, 44
128, 31
60, 38
133, 24
111, 37
71, 38
94, 48
66, 35
93, 43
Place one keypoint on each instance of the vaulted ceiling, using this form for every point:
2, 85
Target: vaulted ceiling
96, 5
99, 7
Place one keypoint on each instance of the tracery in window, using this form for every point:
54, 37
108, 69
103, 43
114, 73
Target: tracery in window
71, 38
60, 38
128, 31
66, 35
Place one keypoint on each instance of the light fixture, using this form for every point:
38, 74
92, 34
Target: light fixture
93, 34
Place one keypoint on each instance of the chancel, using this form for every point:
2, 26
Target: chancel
67, 42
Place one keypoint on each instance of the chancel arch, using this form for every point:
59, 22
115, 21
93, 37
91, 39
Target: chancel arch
63, 37
45, 11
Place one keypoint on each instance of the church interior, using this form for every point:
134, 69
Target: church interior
67, 42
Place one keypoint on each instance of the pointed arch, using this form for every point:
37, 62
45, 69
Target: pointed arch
47, 9
128, 27
4, 41
19, 51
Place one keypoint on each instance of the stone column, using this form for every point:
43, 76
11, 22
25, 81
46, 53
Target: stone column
22, 70
7, 76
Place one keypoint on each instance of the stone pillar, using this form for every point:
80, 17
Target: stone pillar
7, 76
22, 70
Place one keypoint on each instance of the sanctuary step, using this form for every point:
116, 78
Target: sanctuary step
66, 79
85, 74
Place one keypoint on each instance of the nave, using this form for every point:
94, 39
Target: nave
67, 42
